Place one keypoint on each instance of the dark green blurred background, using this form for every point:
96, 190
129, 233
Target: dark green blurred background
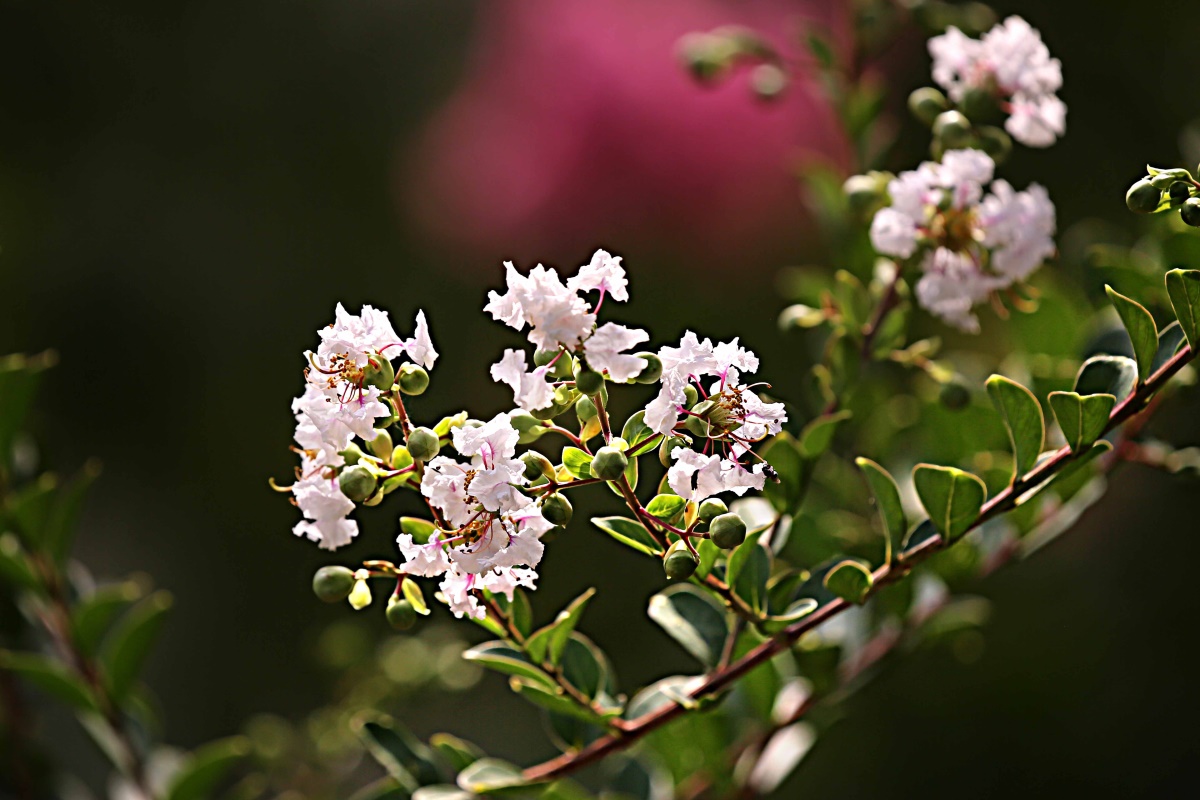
187, 188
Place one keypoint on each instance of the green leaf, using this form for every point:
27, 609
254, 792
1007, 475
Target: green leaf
887, 501
550, 641
1115, 375
1022, 416
585, 667
952, 497
577, 462
19, 379
51, 677
783, 454
709, 553
796, 611
747, 572
658, 694
93, 615
694, 619
850, 581
629, 532
15, 568
129, 644
405, 757
1082, 418
29, 509
1142, 331
1183, 287
442, 791
553, 699
204, 768
520, 612
489, 774
505, 658
64, 517
1170, 340
459, 753
636, 433
419, 529
386, 788
818, 434
666, 506
414, 595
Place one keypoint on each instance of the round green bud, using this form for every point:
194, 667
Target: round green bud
413, 379
926, 103
952, 130
393, 414
609, 464
955, 395
1190, 212
727, 531
557, 510
423, 444
1179, 192
536, 465
980, 104
524, 422
1142, 197
352, 454
378, 372
690, 396
358, 483
679, 564
381, 445
668, 444
585, 409
544, 414
712, 507
562, 363
586, 380
863, 193
333, 584
400, 614
995, 142
653, 369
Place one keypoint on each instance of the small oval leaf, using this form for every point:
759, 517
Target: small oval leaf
951, 496
1022, 416
1081, 418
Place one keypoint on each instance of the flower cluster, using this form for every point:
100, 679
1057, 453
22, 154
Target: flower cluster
1011, 65
970, 245
495, 530
346, 383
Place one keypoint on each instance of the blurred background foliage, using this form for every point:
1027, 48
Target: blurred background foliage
187, 188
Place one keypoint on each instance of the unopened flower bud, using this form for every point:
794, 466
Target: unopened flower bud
393, 414
952, 130
357, 482
1179, 192
712, 507
679, 564
351, 454
360, 595
1166, 177
557, 510
690, 396
768, 81
800, 316
653, 369
1142, 197
423, 444
702, 54
995, 142
865, 193
333, 584
400, 613
381, 445
561, 361
609, 464
378, 372
585, 409
1190, 212
926, 103
668, 444
413, 380
727, 531
955, 395
980, 104
528, 426
586, 380
536, 465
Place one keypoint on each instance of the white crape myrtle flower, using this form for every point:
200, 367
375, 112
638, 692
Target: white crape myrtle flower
1012, 62
556, 314
603, 274
970, 245
605, 351
697, 477
531, 390
325, 508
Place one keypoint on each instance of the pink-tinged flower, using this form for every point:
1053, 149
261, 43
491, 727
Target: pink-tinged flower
575, 120
325, 508
605, 351
970, 245
556, 315
1012, 62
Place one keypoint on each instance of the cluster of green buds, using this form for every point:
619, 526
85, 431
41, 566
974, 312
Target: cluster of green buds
1166, 190
710, 56
971, 123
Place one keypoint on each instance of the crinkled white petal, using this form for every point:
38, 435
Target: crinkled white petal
531, 390
604, 351
604, 273
420, 347
427, 560
697, 477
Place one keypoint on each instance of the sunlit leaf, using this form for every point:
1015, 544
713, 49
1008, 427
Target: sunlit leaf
1143, 333
887, 502
1022, 415
693, 618
951, 497
1082, 419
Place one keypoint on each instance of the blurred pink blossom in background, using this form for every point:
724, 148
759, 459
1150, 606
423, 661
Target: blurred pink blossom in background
576, 125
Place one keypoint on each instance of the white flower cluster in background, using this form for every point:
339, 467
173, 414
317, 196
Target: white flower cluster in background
495, 543
971, 245
337, 406
1011, 62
